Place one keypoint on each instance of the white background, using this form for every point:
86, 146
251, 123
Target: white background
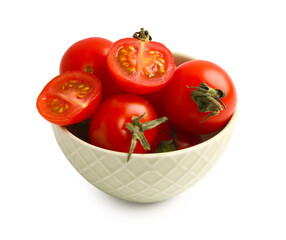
243, 197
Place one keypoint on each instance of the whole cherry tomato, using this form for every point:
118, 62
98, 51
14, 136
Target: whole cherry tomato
123, 120
200, 98
69, 98
90, 55
139, 65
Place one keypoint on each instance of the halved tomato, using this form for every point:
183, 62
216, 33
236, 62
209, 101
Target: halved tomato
90, 55
69, 98
139, 65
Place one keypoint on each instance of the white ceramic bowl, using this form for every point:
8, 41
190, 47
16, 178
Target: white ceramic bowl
146, 177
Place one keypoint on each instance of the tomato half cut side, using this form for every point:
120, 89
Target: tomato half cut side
69, 98
140, 67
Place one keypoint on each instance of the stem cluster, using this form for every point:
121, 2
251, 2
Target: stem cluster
137, 128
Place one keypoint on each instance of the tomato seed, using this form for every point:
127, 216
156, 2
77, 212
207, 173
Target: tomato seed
125, 64
131, 70
125, 58
152, 67
131, 48
162, 71
58, 106
123, 52
161, 65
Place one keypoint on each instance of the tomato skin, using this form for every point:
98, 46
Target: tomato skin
184, 139
107, 125
156, 100
136, 82
69, 98
181, 109
90, 55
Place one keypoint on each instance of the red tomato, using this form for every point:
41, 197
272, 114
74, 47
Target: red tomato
69, 98
200, 98
107, 127
170, 139
156, 100
90, 55
186, 139
140, 66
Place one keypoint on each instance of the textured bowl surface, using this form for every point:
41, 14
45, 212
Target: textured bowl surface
146, 177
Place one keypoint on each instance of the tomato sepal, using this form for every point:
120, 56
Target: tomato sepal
143, 35
208, 99
166, 145
137, 128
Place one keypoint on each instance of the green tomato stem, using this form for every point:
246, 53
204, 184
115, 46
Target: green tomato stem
168, 145
137, 128
208, 99
143, 35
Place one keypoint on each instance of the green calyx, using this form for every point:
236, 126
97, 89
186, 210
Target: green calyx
208, 99
88, 69
168, 145
143, 35
137, 128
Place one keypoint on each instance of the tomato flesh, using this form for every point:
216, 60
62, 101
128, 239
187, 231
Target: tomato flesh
152, 63
69, 98
140, 67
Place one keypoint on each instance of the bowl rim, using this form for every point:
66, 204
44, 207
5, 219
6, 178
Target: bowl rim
184, 55
148, 155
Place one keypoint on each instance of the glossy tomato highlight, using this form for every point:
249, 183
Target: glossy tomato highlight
139, 65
